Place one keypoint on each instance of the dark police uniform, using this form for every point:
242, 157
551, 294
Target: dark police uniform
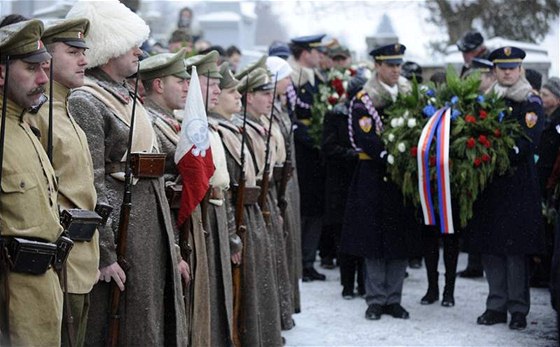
341, 160
310, 168
376, 225
507, 223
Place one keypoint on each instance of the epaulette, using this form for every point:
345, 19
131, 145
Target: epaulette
534, 98
360, 94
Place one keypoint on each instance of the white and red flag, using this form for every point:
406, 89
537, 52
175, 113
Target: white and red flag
193, 156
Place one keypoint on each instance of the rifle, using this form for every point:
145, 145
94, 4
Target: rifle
5, 328
266, 175
240, 228
287, 167
62, 272
114, 317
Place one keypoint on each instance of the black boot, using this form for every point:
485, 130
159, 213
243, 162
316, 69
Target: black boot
431, 258
450, 256
448, 299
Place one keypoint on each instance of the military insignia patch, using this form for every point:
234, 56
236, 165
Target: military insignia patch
365, 124
507, 51
531, 119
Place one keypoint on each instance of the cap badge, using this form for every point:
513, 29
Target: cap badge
531, 119
40, 44
507, 51
365, 124
80, 35
397, 47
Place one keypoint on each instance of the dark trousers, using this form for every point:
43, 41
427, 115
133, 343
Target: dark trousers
508, 283
351, 270
384, 280
310, 236
430, 241
330, 239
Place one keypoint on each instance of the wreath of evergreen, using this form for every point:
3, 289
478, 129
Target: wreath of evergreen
481, 137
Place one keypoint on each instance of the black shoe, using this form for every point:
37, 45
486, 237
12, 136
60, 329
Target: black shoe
448, 300
327, 263
415, 263
491, 317
306, 277
470, 273
429, 298
348, 293
374, 312
518, 321
396, 310
313, 275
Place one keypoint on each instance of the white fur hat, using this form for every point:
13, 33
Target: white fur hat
114, 29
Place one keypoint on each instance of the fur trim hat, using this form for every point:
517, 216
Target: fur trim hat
114, 29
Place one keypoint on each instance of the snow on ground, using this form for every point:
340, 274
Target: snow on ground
328, 320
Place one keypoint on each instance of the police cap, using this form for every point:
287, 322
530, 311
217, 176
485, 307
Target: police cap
392, 54
308, 42
507, 57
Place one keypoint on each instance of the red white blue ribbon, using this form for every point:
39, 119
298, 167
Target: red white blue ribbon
437, 128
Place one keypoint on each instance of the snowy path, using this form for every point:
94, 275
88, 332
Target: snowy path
328, 320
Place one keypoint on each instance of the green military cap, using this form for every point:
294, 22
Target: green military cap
228, 80
164, 64
259, 63
70, 31
23, 41
206, 64
257, 80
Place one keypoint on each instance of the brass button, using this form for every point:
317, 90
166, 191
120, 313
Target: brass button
22, 184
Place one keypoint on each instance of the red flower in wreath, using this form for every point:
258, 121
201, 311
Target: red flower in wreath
338, 86
332, 100
352, 72
482, 114
484, 141
477, 162
485, 158
471, 143
470, 119
497, 133
414, 151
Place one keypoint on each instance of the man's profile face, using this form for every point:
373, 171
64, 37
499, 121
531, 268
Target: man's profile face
26, 82
69, 64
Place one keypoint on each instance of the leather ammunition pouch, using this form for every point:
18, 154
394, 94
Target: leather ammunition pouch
80, 225
147, 165
277, 173
104, 211
173, 193
63, 247
250, 197
142, 165
29, 256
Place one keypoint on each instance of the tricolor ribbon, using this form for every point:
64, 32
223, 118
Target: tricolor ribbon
436, 128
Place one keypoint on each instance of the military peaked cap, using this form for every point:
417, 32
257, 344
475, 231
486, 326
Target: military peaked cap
507, 57
470, 41
23, 41
392, 54
164, 64
206, 64
70, 31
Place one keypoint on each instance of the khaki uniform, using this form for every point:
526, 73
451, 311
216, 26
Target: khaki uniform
28, 208
71, 160
74, 171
